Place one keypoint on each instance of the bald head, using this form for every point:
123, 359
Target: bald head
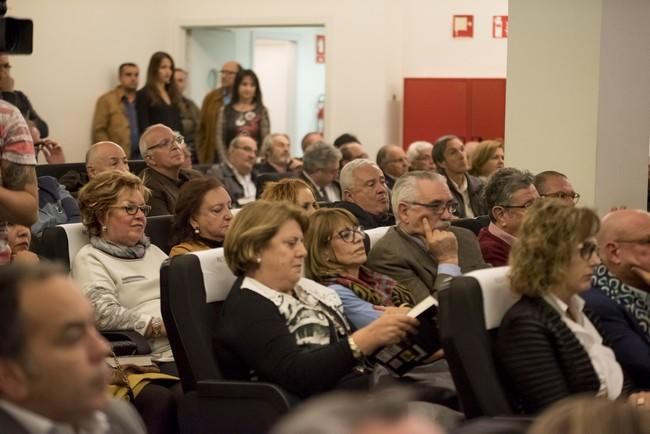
103, 156
228, 72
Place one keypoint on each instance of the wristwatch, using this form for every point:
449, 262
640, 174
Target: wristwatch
356, 351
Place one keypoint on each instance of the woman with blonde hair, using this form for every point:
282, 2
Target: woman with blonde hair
292, 190
487, 158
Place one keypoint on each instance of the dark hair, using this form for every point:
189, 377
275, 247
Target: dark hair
190, 198
152, 77
345, 138
13, 277
438, 152
502, 185
542, 177
125, 65
241, 75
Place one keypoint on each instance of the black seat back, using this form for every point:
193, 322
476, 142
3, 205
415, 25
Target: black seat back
473, 224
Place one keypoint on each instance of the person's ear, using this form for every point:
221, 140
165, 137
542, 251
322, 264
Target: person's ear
347, 195
610, 253
13, 381
402, 212
498, 212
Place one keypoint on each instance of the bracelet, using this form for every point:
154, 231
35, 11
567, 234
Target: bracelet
356, 351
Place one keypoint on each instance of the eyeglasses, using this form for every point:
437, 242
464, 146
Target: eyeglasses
587, 249
350, 235
226, 72
574, 197
438, 206
132, 209
166, 143
524, 206
641, 241
398, 160
247, 149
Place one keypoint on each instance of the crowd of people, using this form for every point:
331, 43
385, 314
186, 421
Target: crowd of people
314, 300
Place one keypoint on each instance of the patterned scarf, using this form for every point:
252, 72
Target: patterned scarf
119, 251
374, 288
625, 295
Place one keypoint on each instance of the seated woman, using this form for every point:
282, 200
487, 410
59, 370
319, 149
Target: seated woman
547, 346
202, 216
487, 158
336, 258
280, 328
119, 270
292, 190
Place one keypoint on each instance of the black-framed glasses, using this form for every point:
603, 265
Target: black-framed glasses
640, 241
438, 206
524, 206
573, 197
166, 143
349, 235
587, 249
132, 209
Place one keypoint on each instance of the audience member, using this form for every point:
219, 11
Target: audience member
237, 170
52, 151
18, 98
508, 194
100, 157
392, 160
56, 206
295, 191
470, 147
419, 156
276, 152
18, 188
423, 252
246, 114
365, 194
284, 329
158, 102
115, 118
555, 184
352, 151
119, 270
487, 158
451, 160
313, 137
164, 174
320, 170
189, 113
344, 139
20, 239
547, 347
187, 154
620, 294
53, 374
210, 111
202, 216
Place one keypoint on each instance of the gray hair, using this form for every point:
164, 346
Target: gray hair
503, 184
406, 190
319, 156
415, 148
346, 177
267, 143
142, 144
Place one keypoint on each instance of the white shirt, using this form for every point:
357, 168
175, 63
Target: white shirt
464, 191
246, 181
37, 424
602, 358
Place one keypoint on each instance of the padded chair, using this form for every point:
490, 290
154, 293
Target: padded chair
264, 178
473, 224
471, 309
375, 234
192, 288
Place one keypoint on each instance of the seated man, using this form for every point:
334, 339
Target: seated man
237, 170
52, 359
276, 152
555, 184
352, 151
164, 174
309, 139
508, 194
100, 157
620, 296
451, 159
392, 160
320, 170
423, 252
365, 194
419, 156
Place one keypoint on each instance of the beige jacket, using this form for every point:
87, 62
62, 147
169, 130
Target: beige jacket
110, 121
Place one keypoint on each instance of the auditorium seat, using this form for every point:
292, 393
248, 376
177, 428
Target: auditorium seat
473, 224
58, 170
375, 234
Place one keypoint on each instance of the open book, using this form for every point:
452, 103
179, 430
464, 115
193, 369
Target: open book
414, 349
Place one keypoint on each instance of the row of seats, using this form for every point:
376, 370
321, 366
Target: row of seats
135, 166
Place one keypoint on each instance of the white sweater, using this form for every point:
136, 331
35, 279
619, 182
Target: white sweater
124, 292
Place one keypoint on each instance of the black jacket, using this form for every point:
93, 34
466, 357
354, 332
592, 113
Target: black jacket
366, 220
475, 191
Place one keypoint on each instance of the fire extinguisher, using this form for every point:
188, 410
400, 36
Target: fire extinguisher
320, 114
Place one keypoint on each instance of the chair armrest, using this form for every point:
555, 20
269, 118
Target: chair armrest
247, 390
141, 344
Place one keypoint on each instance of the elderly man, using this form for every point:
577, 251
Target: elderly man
236, 172
352, 151
365, 194
423, 252
209, 119
276, 151
53, 375
320, 170
164, 174
392, 160
310, 138
508, 194
620, 296
555, 184
451, 159
419, 156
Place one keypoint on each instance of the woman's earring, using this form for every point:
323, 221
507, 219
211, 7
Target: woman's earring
258, 260
197, 230
104, 228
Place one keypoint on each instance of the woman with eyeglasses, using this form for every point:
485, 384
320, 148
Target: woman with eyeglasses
119, 270
292, 190
548, 347
202, 216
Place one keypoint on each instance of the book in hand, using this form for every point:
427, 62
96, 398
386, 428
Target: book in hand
414, 349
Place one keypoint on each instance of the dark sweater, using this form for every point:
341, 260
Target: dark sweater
495, 250
365, 219
150, 113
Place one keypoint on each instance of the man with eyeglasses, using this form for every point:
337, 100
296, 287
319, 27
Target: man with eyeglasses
392, 160
206, 144
419, 156
320, 170
164, 174
556, 185
237, 171
508, 194
423, 251
620, 293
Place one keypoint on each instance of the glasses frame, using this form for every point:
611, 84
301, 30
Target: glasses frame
586, 249
575, 197
166, 143
641, 241
438, 209
133, 209
353, 234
